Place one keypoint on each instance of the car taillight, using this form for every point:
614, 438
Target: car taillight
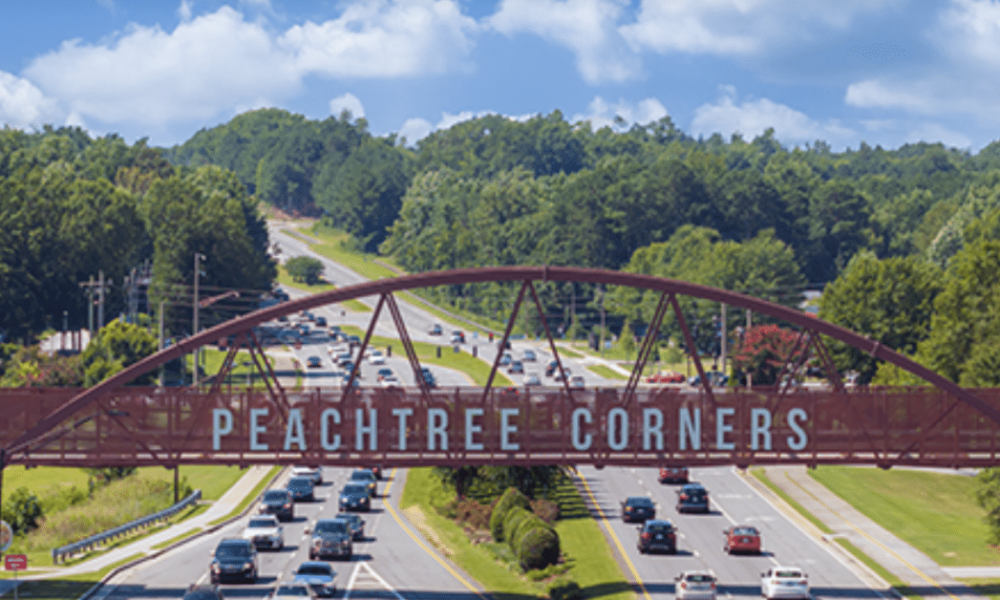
713, 585
647, 536
684, 496
684, 585
289, 505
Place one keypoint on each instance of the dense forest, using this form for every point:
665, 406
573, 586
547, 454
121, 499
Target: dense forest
892, 235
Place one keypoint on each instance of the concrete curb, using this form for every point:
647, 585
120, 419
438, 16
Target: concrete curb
158, 553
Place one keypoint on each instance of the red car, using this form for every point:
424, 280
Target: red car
742, 538
673, 475
666, 377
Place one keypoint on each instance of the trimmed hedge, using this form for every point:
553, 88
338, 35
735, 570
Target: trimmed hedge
523, 527
538, 548
515, 517
510, 499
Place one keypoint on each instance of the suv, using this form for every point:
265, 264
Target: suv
695, 585
368, 478
278, 503
265, 532
692, 497
355, 496
301, 488
330, 537
657, 536
234, 558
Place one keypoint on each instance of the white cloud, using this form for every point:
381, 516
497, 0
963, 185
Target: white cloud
22, 105
587, 27
753, 117
737, 27
934, 132
184, 10
602, 114
877, 94
347, 102
970, 31
383, 39
415, 130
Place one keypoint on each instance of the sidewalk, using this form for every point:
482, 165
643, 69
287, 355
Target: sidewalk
924, 576
219, 509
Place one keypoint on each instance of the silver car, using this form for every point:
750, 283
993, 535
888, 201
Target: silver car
695, 585
264, 531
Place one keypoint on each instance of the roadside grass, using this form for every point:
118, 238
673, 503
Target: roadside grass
251, 497
286, 281
606, 372
568, 352
989, 588
70, 587
211, 363
763, 478
588, 558
896, 583
462, 361
936, 513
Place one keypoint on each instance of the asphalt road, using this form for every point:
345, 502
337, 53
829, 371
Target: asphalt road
390, 563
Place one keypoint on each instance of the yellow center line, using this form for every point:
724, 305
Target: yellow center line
614, 537
864, 534
415, 538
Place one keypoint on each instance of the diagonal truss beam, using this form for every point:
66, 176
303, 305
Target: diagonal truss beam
693, 352
647, 346
552, 342
506, 337
411, 354
356, 369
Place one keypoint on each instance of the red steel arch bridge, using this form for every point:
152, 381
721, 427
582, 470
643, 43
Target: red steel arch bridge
112, 424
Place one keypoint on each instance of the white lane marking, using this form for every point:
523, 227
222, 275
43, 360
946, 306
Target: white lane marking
376, 576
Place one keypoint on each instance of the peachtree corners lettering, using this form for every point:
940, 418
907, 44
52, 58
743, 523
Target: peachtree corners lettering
440, 433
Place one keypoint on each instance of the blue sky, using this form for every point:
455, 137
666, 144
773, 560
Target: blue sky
844, 71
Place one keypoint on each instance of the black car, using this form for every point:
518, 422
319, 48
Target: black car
320, 321
331, 537
657, 536
638, 508
301, 488
429, 378
367, 477
232, 559
435, 329
278, 503
692, 497
355, 496
356, 523
203, 592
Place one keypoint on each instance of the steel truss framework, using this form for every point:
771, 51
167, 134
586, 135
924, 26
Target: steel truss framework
109, 424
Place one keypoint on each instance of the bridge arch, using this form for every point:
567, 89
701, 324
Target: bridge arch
501, 274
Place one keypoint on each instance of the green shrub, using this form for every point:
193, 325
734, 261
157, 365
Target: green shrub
515, 517
538, 548
22, 511
523, 527
510, 498
565, 589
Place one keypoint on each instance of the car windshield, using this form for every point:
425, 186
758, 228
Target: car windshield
261, 523
233, 551
331, 527
788, 574
355, 488
292, 590
275, 496
659, 528
700, 577
295, 482
744, 531
362, 476
639, 501
315, 569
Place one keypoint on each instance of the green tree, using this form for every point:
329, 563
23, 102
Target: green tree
305, 268
115, 347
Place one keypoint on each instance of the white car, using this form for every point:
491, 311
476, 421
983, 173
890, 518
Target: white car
531, 379
390, 381
695, 585
264, 531
784, 582
576, 382
315, 473
376, 358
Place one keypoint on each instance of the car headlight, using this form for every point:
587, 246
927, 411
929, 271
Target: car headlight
248, 565
215, 566
344, 543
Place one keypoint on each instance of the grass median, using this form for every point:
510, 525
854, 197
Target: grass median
589, 561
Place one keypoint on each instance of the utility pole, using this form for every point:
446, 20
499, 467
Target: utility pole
197, 351
100, 300
160, 346
725, 334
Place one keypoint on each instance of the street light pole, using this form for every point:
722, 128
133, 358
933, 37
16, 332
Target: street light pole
197, 351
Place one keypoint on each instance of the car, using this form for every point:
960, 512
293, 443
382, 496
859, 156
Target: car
784, 582
377, 471
234, 558
550, 369
278, 503
515, 367
330, 537
673, 475
355, 496
384, 372
376, 357
715, 379
292, 591
531, 380
316, 473
320, 321
319, 576
457, 337
390, 381
695, 585
638, 508
666, 377
429, 378
333, 331
301, 488
657, 536
368, 478
528, 356
203, 592
692, 497
313, 362
344, 358
506, 359
357, 525
741, 538
567, 373
577, 382
354, 340
435, 329
264, 531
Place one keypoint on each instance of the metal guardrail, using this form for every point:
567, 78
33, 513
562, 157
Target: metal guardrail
89, 543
